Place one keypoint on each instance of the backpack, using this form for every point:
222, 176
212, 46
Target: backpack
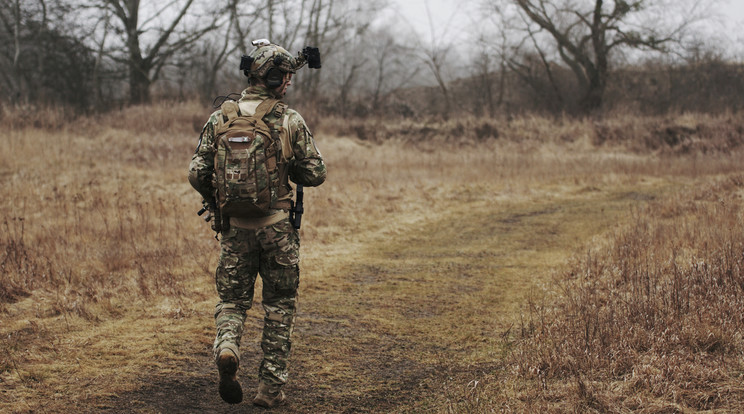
248, 164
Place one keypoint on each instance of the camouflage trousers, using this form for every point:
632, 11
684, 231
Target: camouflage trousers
272, 252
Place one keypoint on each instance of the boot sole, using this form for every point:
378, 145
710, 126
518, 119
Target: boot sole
230, 389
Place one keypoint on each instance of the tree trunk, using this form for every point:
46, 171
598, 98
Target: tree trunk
594, 94
139, 83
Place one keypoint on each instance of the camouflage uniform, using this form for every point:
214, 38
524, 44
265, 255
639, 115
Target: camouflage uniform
269, 250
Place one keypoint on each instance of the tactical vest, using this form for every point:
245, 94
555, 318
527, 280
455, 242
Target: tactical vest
250, 171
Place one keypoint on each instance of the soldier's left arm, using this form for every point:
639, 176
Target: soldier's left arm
201, 167
306, 167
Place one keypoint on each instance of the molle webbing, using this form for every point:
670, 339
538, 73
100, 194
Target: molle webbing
266, 119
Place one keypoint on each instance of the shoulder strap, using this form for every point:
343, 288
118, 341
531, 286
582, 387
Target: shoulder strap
229, 109
278, 128
278, 113
277, 109
265, 107
281, 137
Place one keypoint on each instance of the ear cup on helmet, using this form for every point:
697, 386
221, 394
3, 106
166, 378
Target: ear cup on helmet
274, 78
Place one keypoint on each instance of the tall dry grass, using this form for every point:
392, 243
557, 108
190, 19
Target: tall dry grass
649, 320
90, 205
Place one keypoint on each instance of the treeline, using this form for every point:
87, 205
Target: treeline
523, 56
711, 86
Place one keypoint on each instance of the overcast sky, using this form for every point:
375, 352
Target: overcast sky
459, 14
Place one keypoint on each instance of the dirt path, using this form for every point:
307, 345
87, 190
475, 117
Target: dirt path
410, 320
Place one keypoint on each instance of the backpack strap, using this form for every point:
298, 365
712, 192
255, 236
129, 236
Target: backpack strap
265, 107
277, 109
278, 126
278, 113
230, 110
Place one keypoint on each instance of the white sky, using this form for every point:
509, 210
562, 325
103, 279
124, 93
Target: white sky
443, 13
443, 10
733, 10
451, 18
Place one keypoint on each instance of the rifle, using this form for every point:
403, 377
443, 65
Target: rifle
213, 215
296, 210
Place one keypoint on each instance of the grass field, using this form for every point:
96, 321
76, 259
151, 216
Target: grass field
521, 265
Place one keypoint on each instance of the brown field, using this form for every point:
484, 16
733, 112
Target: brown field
462, 267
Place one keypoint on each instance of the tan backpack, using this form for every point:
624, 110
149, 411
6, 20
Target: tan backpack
248, 166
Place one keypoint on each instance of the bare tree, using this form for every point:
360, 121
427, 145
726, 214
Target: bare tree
537, 70
42, 57
22, 24
104, 21
435, 53
435, 58
284, 20
322, 21
392, 70
487, 84
231, 37
351, 66
585, 34
146, 55
330, 25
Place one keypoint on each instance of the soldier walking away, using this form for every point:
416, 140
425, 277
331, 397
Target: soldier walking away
248, 152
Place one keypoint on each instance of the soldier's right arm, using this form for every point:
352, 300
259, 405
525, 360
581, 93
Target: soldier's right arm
306, 166
201, 167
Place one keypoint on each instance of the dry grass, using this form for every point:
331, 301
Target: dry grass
418, 256
682, 134
94, 241
650, 320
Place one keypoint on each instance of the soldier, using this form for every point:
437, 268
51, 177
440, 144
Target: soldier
267, 245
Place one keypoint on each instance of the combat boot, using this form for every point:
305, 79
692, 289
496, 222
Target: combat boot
269, 396
227, 366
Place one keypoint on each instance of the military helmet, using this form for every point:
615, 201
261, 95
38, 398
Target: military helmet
268, 62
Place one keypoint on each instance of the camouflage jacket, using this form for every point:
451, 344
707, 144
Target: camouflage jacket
305, 163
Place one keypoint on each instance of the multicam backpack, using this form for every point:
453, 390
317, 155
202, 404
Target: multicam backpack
248, 164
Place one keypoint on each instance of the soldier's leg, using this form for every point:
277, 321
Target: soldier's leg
280, 275
276, 341
235, 278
